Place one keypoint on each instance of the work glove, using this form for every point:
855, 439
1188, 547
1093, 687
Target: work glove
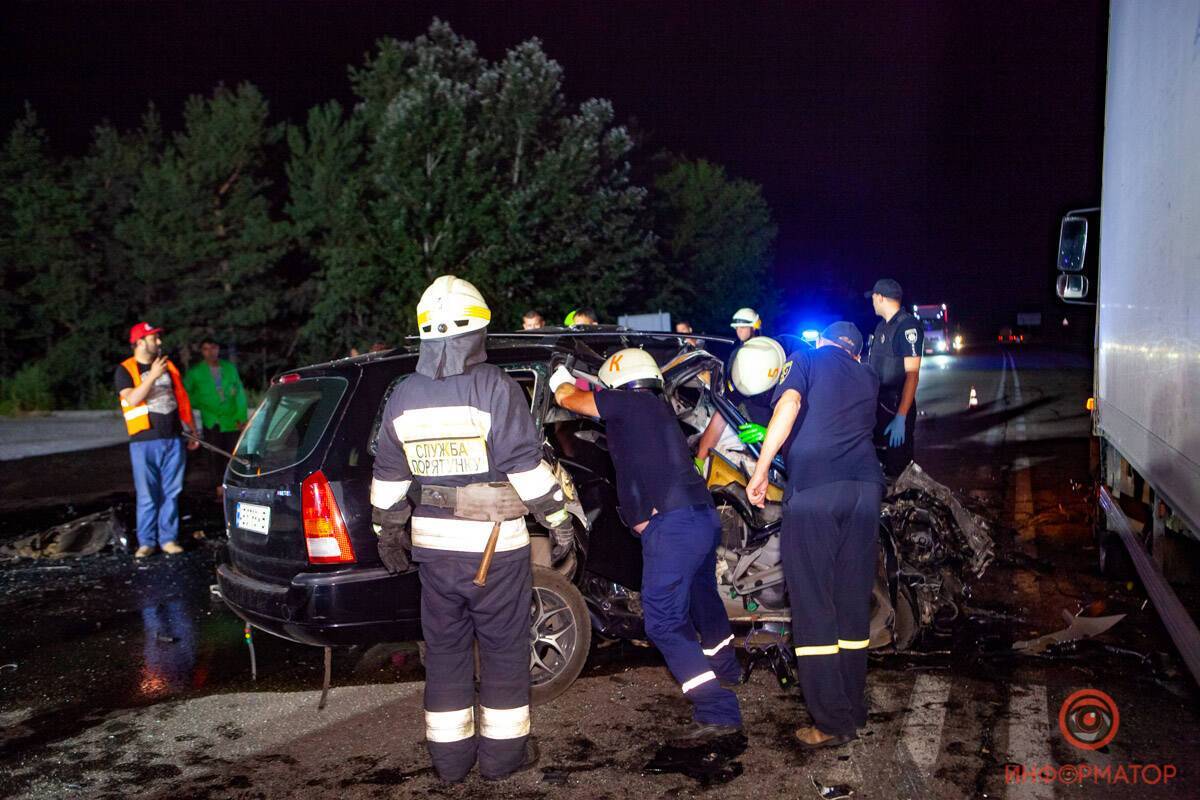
751, 433
699, 462
561, 376
895, 431
563, 536
391, 529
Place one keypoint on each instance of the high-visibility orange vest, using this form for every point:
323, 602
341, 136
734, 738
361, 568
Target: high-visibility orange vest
137, 417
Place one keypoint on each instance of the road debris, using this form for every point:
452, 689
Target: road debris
1078, 627
84, 536
833, 792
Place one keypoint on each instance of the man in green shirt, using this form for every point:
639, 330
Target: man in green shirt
218, 395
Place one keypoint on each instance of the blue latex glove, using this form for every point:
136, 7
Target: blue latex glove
895, 431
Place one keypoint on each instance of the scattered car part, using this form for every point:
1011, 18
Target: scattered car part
1078, 627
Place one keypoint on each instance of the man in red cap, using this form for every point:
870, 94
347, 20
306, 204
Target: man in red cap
157, 411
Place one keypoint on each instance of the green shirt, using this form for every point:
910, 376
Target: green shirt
222, 406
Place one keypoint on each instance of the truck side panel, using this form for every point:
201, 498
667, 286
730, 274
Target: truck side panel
1148, 322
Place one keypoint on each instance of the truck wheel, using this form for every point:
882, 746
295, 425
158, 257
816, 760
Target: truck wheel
560, 634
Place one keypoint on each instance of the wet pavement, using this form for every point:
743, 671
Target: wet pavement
124, 678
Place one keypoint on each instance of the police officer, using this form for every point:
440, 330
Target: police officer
896, 348
751, 379
664, 501
829, 540
458, 443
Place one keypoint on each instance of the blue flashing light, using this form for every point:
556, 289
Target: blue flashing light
810, 335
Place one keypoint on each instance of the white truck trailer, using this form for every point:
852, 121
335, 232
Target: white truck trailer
1145, 284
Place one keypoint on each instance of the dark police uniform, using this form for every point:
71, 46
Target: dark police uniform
830, 537
685, 618
891, 343
469, 428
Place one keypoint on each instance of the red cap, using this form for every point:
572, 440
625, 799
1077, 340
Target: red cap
140, 330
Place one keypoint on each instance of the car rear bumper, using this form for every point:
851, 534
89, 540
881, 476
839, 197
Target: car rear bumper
328, 609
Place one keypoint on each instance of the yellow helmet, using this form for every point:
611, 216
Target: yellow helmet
451, 306
756, 366
746, 318
631, 368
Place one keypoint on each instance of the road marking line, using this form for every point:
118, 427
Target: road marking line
996, 435
922, 735
1029, 739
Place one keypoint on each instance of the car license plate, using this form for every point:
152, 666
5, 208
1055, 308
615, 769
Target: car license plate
253, 518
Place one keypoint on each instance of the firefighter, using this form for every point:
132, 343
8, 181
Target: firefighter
746, 324
752, 377
665, 502
829, 540
459, 453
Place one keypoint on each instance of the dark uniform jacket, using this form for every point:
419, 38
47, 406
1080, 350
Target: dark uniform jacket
892, 341
474, 427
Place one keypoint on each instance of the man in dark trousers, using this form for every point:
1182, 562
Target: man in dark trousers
830, 537
666, 503
458, 442
896, 348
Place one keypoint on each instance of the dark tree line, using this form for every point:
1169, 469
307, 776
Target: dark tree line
290, 243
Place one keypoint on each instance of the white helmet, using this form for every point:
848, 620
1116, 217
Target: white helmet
631, 368
451, 306
756, 366
746, 318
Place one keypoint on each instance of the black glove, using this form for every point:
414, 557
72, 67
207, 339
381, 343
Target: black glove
391, 528
563, 536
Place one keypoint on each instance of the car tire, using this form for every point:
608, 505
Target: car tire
560, 635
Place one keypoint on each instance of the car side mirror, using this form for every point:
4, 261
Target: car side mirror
1072, 287
1072, 244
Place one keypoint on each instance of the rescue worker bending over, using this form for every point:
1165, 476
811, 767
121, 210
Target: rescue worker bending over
830, 537
664, 501
752, 377
458, 439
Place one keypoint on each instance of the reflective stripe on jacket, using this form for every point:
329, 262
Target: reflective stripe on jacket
137, 417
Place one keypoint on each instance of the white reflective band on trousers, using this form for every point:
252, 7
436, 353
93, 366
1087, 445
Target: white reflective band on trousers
467, 535
450, 726
385, 494
535, 483
702, 678
712, 651
503, 723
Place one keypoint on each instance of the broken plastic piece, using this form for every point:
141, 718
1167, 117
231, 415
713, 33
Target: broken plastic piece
1078, 627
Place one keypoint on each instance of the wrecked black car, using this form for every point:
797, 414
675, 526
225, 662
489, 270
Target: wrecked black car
303, 471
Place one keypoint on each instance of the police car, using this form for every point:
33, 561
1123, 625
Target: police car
301, 559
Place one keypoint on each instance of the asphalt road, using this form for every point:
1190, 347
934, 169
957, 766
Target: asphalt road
123, 680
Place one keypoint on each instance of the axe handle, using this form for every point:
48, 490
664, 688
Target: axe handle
486, 563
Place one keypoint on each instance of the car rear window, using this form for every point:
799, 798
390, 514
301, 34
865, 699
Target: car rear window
288, 424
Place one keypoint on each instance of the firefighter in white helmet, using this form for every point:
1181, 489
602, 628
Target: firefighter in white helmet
752, 377
459, 453
666, 503
746, 324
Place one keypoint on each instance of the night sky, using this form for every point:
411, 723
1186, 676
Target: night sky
934, 142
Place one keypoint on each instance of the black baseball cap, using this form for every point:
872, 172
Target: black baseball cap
845, 335
886, 287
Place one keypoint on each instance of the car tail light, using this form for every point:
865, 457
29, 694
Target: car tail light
291, 377
325, 533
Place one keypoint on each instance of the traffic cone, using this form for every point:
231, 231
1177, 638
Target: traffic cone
973, 400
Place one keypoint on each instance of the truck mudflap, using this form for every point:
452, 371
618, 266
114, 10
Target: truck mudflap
1178, 622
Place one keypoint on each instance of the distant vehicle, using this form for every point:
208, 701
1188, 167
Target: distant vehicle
936, 321
1141, 281
1009, 335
